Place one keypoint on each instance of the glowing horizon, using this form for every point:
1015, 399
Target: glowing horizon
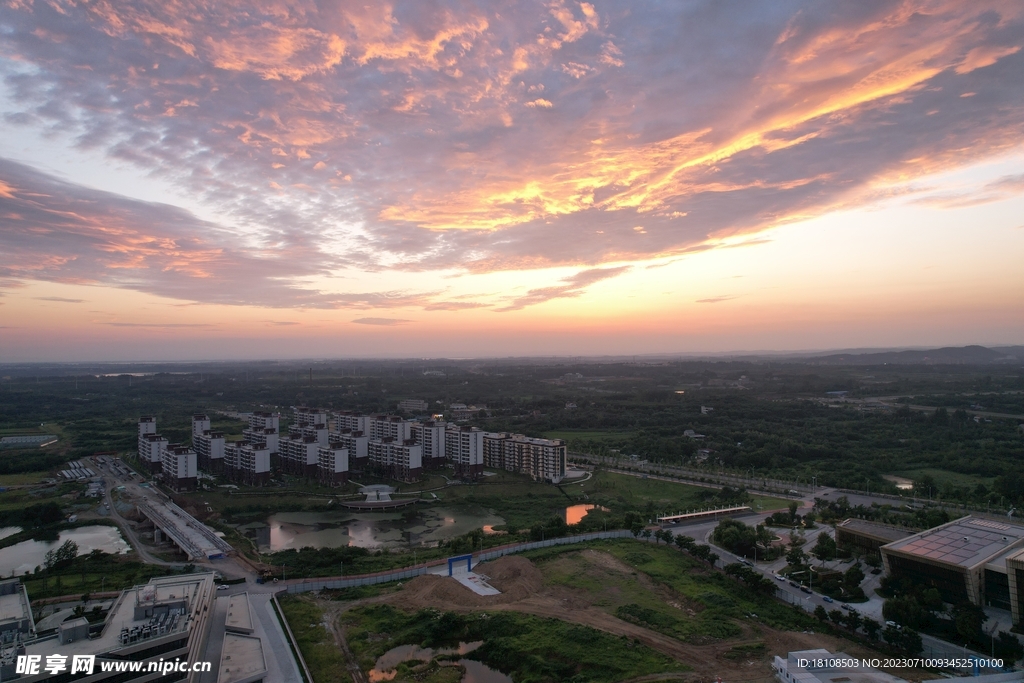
204, 180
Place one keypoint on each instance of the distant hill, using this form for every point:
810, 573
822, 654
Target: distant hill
950, 355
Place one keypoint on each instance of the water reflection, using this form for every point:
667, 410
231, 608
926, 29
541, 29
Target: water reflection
476, 672
26, 556
411, 527
574, 514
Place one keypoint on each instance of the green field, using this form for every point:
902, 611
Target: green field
306, 620
707, 603
527, 648
590, 434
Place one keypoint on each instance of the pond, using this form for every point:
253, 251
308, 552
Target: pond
574, 514
476, 672
412, 527
24, 557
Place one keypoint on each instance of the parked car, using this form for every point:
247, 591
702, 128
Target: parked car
827, 599
780, 577
845, 606
805, 589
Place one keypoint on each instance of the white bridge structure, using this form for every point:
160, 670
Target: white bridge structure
710, 513
195, 539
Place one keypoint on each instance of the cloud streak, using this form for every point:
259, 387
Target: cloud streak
482, 137
569, 288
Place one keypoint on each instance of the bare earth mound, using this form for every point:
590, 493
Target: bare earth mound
522, 589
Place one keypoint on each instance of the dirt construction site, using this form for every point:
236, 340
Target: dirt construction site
524, 589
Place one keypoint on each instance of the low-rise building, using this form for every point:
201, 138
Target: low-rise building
859, 536
413, 405
16, 623
167, 619
967, 559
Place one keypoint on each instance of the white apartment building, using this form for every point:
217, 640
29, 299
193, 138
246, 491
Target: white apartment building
147, 425
401, 460
265, 435
200, 424
317, 431
350, 420
390, 427
209, 448
300, 455
542, 459
309, 416
430, 437
263, 420
464, 448
247, 463
413, 405
333, 465
358, 445
151, 451
180, 467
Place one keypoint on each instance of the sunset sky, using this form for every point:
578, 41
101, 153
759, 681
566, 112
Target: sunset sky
255, 179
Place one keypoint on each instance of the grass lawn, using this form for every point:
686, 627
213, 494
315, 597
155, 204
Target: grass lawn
706, 602
943, 477
324, 659
23, 478
91, 574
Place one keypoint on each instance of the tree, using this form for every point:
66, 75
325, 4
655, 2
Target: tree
1008, 648
736, 537
853, 577
646, 533
684, 542
911, 642
821, 613
825, 548
852, 620
835, 616
871, 627
795, 556
792, 512
764, 538
893, 636
667, 536
968, 619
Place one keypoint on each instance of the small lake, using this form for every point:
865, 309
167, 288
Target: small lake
24, 557
412, 527
574, 514
476, 672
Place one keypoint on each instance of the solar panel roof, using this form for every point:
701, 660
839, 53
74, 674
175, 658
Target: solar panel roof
965, 542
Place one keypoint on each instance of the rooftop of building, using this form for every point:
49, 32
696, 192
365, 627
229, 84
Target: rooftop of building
884, 532
966, 542
14, 604
123, 629
241, 660
239, 616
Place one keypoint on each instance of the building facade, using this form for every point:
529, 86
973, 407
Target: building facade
464, 448
180, 467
